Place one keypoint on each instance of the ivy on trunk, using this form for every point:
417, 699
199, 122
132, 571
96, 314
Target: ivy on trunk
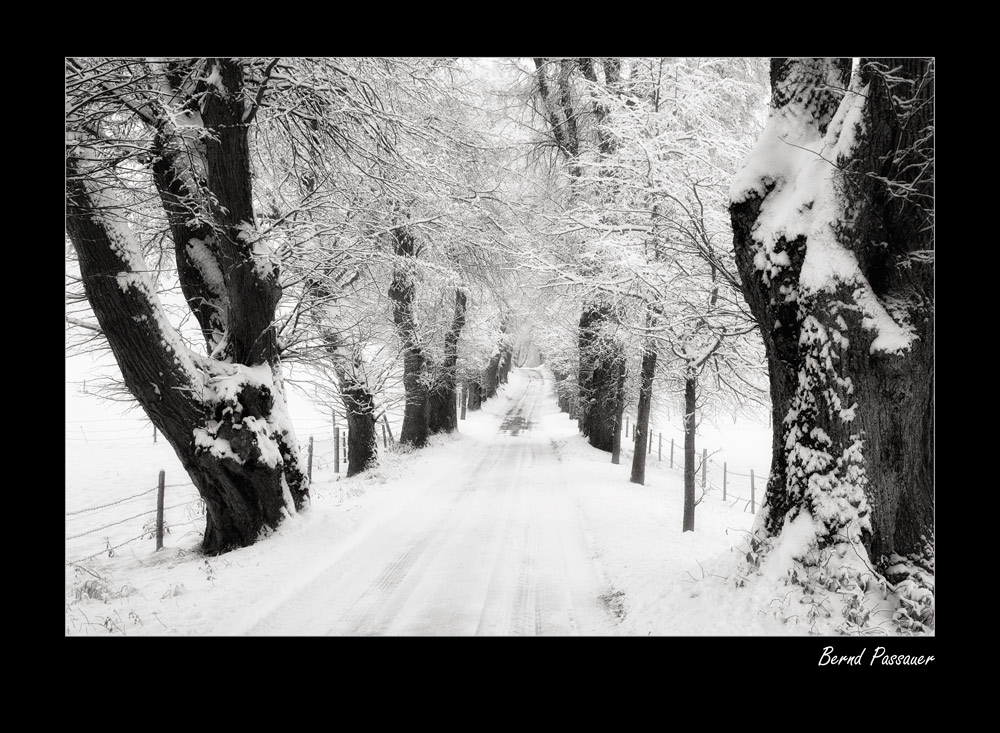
842, 287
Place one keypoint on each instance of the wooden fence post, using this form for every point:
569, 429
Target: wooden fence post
385, 439
704, 466
752, 492
659, 449
671, 452
309, 465
154, 433
336, 449
724, 471
159, 508
650, 451
464, 398
347, 435
387, 426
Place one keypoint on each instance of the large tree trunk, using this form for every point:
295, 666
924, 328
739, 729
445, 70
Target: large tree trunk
347, 361
359, 408
226, 420
402, 293
602, 370
842, 285
442, 410
355, 393
362, 440
603, 363
196, 246
252, 278
220, 429
642, 420
690, 405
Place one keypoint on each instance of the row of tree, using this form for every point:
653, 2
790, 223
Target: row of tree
702, 245
323, 212
404, 225
639, 234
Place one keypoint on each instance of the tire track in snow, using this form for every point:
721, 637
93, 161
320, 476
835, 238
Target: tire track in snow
324, 593
495, 617
501, 551
382, 600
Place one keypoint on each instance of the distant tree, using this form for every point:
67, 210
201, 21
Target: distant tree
601, 374
833, 222
644, 237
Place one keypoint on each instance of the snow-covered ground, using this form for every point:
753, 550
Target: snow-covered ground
513, 526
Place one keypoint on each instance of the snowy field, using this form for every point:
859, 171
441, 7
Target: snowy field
652, 579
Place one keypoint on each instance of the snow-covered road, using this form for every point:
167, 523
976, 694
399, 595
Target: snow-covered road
493, 544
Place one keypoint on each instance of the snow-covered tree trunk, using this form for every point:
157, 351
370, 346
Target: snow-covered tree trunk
602, 370
690, 407
642, 419
195, 244
344, 353
604, 361
355, 392
359, 408
832, 217
224, 416
402, 293
442, 410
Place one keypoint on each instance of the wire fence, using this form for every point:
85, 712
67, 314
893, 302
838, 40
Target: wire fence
324, 453
711, 474
110, 523
104, 523
111, 503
